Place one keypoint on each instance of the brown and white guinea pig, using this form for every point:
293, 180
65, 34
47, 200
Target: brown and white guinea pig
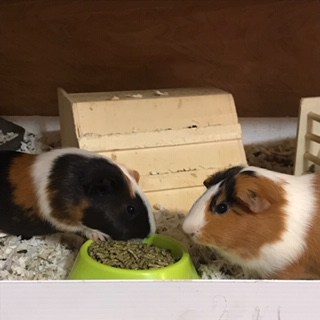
264, 221
71, 190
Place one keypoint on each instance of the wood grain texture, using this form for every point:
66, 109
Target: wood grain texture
265, 52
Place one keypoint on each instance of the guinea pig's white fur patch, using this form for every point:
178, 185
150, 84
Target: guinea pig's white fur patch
195, 220
299, 213
41, 171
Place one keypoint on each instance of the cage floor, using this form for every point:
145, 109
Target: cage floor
50, 258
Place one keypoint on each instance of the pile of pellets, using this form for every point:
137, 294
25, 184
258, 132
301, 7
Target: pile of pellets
132, 254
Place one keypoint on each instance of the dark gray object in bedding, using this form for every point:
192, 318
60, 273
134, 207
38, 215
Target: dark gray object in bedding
8, 126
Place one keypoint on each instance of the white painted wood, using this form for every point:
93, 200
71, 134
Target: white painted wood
172, 300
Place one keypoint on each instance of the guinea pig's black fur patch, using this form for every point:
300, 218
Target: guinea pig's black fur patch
222, 175
228, 180
113, 206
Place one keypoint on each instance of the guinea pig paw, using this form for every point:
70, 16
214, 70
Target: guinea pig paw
94, 234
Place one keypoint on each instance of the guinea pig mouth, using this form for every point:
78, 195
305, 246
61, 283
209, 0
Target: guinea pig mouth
194, 236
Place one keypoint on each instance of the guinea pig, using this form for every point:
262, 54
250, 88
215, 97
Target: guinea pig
71, 190
264, 221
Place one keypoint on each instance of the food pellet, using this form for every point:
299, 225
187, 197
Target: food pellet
132, 254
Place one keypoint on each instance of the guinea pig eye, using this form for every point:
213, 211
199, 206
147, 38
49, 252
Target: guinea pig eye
221, 208
131, 210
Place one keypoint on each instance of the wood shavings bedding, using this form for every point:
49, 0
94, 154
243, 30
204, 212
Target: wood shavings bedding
39, 258
47, 258
5, 137
277, 156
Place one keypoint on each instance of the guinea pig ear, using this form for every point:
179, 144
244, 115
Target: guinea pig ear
134, 174
255, 202
208, 182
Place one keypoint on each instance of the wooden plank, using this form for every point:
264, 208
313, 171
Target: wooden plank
314, 116
175, 180
312, 158
142, 94
177, 158
67, 121
158, 113
157, 138
306, 127
313, 137
176, 200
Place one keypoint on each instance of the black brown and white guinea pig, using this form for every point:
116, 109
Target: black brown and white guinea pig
264, 221
71, 190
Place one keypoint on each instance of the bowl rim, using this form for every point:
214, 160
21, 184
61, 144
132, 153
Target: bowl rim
185, 257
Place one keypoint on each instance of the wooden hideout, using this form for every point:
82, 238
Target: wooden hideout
175, 138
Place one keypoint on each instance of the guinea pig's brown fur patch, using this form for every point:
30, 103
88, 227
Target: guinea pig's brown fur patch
134, 174
20, 177
71, 213
77, 212
254, 218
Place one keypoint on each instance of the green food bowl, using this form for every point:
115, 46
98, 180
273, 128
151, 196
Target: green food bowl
86, 268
